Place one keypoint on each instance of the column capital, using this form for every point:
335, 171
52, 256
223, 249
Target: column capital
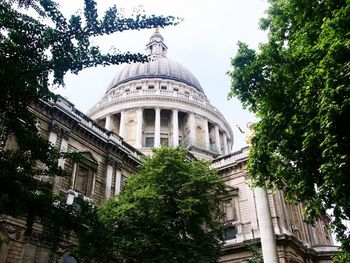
54, 127
65, 134
110, 161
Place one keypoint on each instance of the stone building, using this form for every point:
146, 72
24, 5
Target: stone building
162, 103
108, 161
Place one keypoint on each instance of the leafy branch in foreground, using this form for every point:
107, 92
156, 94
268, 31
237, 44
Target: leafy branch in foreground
38, 46
169, 212
298, 84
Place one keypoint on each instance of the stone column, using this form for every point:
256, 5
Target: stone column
122, 124
29, 251
206, 134
175, 121
157, 128
217, 139
54, 129
61, 161
192, 123
139, 121
267, 235
225, 142
109, 174
109, 122
118, 180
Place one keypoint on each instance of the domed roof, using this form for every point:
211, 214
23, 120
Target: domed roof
159, 66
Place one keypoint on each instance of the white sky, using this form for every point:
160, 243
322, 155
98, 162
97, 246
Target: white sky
204, 43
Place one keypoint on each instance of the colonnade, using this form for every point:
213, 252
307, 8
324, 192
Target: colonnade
219, 135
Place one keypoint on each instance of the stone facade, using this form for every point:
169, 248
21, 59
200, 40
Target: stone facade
296, 241
108, 163
146, 105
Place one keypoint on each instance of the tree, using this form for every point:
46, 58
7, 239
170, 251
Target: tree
169, 212
298, 84
38, 45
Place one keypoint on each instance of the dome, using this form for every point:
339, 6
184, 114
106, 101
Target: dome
158, 67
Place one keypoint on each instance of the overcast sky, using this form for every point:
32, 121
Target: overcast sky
204, 43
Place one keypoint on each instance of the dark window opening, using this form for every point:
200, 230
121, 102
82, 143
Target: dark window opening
230, 233
164, 141
149, 142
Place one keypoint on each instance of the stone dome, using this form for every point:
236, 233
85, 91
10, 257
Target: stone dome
158, 67
160, 102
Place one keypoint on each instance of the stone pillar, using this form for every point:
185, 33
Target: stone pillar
267, 235
118, 180
54, 129
109, 122
157, 128
109, 174
206, 134
225, 142
217, 139
61, 161
122, 124
175, 121
139, 121
29, 251
192, 123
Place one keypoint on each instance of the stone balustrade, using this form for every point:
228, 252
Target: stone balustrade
231, 158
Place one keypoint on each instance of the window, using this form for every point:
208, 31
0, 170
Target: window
149, 142
176, 89
150, 87
163, 87
138, 87
164, 141
83, 179
230, 232
84, 174
127, 90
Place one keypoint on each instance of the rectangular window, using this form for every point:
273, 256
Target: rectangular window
164, 141
230, 232
150, 87
138, 87
149, 142
83, 179
176, 89
163, 87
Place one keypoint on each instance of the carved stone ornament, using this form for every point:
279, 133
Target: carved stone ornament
54, 127
65, 134
110, 161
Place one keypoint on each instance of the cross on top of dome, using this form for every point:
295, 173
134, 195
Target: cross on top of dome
156, 45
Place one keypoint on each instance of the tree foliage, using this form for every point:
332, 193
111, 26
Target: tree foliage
298, 84
169, 212
38, 46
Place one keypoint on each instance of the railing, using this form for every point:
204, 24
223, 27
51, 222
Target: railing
91, 125
152, 92
231, 158
199, 144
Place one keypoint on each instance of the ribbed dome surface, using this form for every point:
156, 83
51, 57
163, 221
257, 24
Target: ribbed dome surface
161, 67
